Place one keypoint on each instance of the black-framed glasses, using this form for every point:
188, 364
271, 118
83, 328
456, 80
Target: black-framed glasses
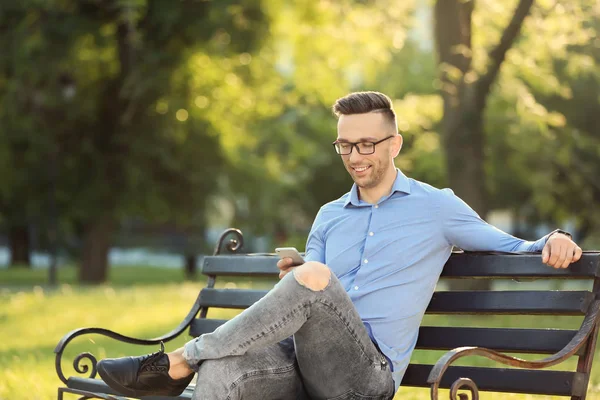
364, 148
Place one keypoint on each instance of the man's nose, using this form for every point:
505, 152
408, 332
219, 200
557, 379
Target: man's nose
354, 155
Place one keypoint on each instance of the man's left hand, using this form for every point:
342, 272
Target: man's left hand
560, 251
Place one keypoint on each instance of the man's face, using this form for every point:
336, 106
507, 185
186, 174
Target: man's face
368, 170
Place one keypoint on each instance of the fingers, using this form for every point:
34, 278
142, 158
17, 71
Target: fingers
554, 255
284, 263
569, 251
561, 258
561, 255
285, 272
578, 253
546, 253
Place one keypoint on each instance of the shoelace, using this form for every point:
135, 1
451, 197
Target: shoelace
149, 360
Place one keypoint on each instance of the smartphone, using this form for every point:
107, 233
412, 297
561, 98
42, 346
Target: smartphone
290, 252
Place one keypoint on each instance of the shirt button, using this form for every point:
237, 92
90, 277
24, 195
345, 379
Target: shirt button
371, 233
366, 261
355, 287
376, 205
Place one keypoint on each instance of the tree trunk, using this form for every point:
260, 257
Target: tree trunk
94, 256
465, 93
19, 246
190, 266
464, 146
462, 123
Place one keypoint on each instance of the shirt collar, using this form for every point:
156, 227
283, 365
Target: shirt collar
401, 184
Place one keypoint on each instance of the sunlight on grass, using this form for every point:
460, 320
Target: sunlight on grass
33, 320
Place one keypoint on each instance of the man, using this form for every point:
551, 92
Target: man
342, 325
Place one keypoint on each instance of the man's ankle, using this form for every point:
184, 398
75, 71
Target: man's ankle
178, 366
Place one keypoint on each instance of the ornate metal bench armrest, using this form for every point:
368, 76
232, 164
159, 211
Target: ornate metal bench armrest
438, 370
233, 246
62, 344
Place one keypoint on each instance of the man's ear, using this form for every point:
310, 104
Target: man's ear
398, 141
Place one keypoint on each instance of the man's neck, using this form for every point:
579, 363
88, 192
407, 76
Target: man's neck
373, 195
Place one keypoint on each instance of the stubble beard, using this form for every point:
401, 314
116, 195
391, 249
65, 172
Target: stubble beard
376, 177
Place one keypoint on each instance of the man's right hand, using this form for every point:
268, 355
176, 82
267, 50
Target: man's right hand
285, 265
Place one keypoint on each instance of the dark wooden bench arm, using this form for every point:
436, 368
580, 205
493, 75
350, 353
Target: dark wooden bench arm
438, 370
82, 369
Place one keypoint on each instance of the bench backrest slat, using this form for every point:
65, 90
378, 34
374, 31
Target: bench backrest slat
537, 341
511, 302
460, 265
230, 298
508, 340
558, 383
240, 265
491, 265
465, 302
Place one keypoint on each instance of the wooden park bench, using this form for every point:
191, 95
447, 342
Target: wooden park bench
530, 377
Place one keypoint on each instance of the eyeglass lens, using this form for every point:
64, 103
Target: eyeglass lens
346, 148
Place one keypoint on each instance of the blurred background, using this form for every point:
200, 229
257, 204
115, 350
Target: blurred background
135, 131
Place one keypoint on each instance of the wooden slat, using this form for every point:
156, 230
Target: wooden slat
240, 265
230, 298
98, 386
460, 265
511, 302
458, 302
487, 379
535, 341
502, 379
200, 326
494, 265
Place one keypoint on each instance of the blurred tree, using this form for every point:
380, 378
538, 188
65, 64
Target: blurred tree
465, 91
284, 165
20, 199
545, 147
120, 131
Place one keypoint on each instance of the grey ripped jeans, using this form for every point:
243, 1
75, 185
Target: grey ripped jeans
294, 343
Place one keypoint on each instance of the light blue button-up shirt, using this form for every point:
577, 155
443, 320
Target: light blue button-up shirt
389, 255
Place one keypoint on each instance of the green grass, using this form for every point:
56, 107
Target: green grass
33, 319
121, 275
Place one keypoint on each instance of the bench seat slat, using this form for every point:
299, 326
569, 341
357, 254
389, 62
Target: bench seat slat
487, 379
511, 302
558, 383
460, 265
534, 341
98, 386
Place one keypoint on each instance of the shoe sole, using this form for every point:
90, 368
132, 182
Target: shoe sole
113, 384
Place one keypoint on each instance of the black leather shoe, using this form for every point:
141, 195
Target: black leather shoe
142, 376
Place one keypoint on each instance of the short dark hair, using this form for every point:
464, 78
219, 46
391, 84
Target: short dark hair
363, 103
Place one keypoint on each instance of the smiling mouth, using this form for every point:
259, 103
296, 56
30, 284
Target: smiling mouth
361, 169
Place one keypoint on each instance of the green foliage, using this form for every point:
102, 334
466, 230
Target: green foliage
217, 113
93, 127
544, 145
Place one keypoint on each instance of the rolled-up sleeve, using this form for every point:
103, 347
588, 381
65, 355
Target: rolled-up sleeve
462, 227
